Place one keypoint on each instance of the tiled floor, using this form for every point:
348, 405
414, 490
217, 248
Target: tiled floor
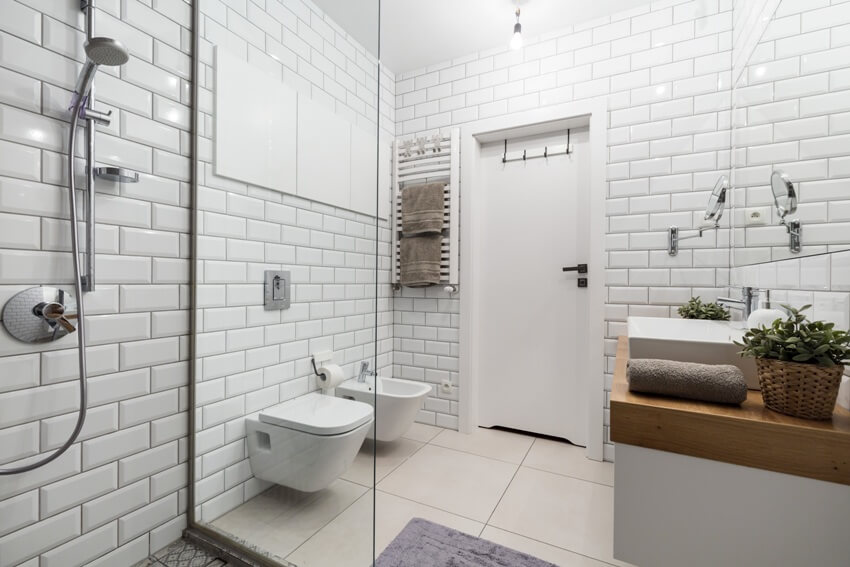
182, 553
535, 495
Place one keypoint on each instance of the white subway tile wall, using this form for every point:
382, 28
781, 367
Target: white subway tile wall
249, 358
792, 112
120, 492
665, 69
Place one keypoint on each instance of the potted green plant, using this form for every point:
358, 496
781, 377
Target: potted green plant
696, 309
799, 363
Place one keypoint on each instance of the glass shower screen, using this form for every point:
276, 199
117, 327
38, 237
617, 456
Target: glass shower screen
291, 278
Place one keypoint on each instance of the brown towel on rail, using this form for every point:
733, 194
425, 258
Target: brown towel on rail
422, 209
721, 383
419, 258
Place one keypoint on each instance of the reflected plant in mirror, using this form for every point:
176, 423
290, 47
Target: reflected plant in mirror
696, 309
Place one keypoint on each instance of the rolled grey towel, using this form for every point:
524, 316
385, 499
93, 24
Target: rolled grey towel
722, 383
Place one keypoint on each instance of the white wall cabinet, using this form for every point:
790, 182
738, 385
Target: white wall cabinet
256, 122
267, 135
364, 171
324, 155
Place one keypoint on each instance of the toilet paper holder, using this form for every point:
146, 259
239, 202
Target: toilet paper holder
323, 356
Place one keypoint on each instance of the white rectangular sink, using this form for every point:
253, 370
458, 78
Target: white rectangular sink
690, 340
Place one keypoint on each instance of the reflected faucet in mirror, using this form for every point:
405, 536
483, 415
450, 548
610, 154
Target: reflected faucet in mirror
713, 212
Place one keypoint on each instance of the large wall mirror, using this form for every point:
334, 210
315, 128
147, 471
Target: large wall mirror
791, 138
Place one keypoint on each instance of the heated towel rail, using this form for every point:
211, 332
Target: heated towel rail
436, 160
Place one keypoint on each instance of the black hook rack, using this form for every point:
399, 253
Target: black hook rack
526, 157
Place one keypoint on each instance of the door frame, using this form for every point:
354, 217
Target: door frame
594, 115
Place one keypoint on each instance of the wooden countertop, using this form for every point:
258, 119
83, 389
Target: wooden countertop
749, 435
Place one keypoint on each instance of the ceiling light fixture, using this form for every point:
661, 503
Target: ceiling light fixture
516, 40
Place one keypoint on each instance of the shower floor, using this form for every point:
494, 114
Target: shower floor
534, 495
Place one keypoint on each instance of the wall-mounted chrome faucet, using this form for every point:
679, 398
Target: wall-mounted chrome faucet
364, 371
746, 305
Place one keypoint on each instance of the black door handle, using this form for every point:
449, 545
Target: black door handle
581, 268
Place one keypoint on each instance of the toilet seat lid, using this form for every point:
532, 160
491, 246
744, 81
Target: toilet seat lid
318, 414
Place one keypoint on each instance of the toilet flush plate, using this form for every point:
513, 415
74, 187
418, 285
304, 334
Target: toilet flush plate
277, 289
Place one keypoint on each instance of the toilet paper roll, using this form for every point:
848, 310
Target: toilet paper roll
330, 376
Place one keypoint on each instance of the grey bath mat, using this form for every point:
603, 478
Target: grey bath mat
426, 544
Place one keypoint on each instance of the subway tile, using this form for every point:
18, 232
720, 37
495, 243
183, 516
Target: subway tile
23, 406
60, 496
135, 40
99, 420
38, 538
19, 161
18, 512
114, 504
62, 467
18, 442
82, 549
147, 463
29, 59
115, 445
19, 372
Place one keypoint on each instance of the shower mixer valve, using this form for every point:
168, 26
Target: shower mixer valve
41, 314
53, 313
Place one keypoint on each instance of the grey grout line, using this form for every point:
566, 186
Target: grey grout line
429, 506
314, 534
568, 476
505, 491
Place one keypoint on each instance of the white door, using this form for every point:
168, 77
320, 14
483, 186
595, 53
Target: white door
532, 316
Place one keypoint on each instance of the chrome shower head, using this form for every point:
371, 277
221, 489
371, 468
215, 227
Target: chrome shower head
99, 51
106, 51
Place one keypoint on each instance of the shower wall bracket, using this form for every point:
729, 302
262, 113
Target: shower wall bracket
87, 278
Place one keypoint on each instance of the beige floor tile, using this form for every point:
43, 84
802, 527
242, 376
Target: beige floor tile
347, 541
562, 458
460, 483
546, 552
562, 511
492, 443
422, 432
383, 457
299, 515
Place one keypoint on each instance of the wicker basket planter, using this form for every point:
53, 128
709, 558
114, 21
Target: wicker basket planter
801, 390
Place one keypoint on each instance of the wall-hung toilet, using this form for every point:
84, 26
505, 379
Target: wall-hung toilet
308, 442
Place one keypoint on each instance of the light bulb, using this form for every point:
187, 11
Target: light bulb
516, 40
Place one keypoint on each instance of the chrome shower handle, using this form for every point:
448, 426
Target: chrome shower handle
54, 313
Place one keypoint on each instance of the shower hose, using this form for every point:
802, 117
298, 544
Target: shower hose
78, 290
